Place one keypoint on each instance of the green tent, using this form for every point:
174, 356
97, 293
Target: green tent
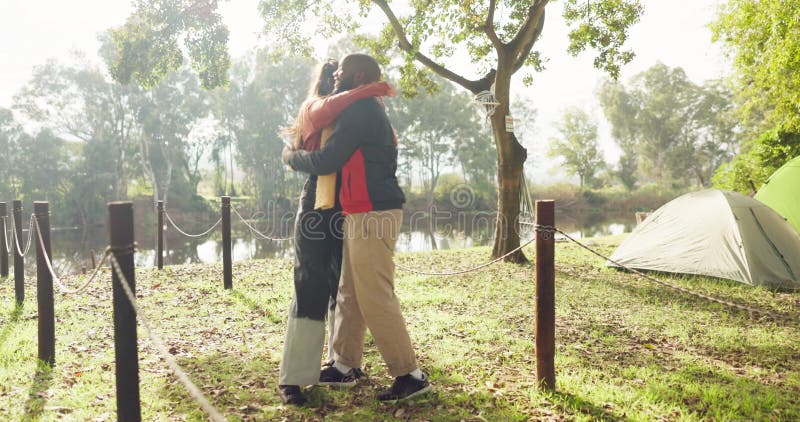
781, 192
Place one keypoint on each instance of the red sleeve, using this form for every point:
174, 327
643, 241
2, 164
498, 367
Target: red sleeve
323, 111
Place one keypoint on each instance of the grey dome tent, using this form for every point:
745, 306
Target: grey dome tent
719, 234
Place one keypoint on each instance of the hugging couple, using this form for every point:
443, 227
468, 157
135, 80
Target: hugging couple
345, 234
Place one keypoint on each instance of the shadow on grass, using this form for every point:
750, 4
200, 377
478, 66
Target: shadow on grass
690, 378
767, 356
14, 317
233, 384
667, 296
254, 305
37, 395
246, 389
571, 404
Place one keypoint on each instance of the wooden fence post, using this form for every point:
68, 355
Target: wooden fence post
44, 283
545, 295
3, 246
19, 260
120, 223
160, 236
227, 265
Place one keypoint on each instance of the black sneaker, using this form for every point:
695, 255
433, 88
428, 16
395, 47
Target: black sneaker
406, 387
292, 394
357, 372
329, 375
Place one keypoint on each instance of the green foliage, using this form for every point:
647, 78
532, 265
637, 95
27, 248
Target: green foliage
166, 116
757, 161
33, 167
602, 27
115, 133
670, 130
41, 167
621, 111
452, 26
442, 130
763, 39
77, 101
593, 199
609, 200
10, 133
261, 100
577, 145
148, 45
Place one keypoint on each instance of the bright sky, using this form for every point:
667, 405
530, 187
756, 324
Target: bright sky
673, 32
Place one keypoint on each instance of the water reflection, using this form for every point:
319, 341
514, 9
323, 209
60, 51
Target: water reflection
75, 250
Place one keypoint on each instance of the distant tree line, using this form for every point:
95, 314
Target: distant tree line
732, 134
670, 131
76, 138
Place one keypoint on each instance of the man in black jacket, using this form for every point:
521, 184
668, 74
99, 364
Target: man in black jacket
363, 148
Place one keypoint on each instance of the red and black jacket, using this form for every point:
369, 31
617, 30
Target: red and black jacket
363, 148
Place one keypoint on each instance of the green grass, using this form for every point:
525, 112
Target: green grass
626, 349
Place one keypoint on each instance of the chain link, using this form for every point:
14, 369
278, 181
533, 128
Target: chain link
253, 229
195, 392
187, 234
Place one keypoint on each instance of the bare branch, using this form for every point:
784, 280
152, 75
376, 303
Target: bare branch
489, 27
405, 45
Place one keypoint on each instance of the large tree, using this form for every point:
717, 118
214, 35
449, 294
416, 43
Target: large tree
261, 100
499, 37
431, 34
76, 101
621, 110
577, 145
671, 130
762, 38
10, 134
167, 115
434, 129
155, 36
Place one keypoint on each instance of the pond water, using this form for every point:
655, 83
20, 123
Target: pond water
75, 249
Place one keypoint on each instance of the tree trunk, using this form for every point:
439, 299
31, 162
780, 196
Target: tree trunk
509, 175
144, 160
511, 157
